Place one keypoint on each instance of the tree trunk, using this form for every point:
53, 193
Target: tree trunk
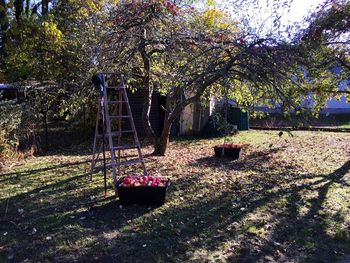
4, 24
46, 131
163, 141
27, 7
147, 103
44, 7
18, 10
147, 95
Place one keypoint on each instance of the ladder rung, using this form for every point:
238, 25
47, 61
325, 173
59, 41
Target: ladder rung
120, 116
119, 88
100, 168
112, 134
126, 131
117, 133
130, 162
125, 147
127, 156
116, 101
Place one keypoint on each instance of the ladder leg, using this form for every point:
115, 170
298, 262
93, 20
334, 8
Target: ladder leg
93, 162
98, 153
120, 112
143, 162
136, 140
109, 131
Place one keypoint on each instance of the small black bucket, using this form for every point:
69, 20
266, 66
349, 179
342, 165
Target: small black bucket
234, 153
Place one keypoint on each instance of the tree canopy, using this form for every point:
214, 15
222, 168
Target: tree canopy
190, 53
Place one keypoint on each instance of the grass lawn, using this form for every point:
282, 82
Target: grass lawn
347, 125
331, 121
286, 200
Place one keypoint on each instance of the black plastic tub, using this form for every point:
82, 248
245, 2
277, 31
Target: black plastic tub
142, 195
233, 151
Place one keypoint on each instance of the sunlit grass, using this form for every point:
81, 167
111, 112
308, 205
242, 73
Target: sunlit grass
286, 199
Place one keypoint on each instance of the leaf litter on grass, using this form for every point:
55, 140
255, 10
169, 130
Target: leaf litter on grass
287, 202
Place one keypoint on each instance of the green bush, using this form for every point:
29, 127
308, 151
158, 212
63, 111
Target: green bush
221, 123
17, 132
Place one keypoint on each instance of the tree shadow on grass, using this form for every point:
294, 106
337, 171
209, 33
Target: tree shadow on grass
305, 235
61, 209
64, 214
257, 161
202, 229
195, 224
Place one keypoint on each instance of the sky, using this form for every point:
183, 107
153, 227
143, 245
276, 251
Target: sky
299, 9
259, 16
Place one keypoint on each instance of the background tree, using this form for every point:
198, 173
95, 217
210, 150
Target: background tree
328, 34
4, 24
326, 47
56, 48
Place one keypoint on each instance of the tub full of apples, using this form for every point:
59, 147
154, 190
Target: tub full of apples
142, 190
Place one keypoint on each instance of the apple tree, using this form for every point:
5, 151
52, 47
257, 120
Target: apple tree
191, 53
327, 46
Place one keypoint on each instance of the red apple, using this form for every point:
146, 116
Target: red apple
136, 181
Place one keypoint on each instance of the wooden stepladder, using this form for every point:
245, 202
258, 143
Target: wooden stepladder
114, 123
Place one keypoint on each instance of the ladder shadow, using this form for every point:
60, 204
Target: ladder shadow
34, 171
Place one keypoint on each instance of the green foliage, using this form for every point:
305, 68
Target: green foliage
342, 235
17, 127
34, 50
222, 124
10, 120
53, 57
58, 47
326, 47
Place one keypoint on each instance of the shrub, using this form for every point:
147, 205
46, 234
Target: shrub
17, 132
221, 123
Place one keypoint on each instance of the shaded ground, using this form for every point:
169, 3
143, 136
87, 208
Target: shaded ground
286, 200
